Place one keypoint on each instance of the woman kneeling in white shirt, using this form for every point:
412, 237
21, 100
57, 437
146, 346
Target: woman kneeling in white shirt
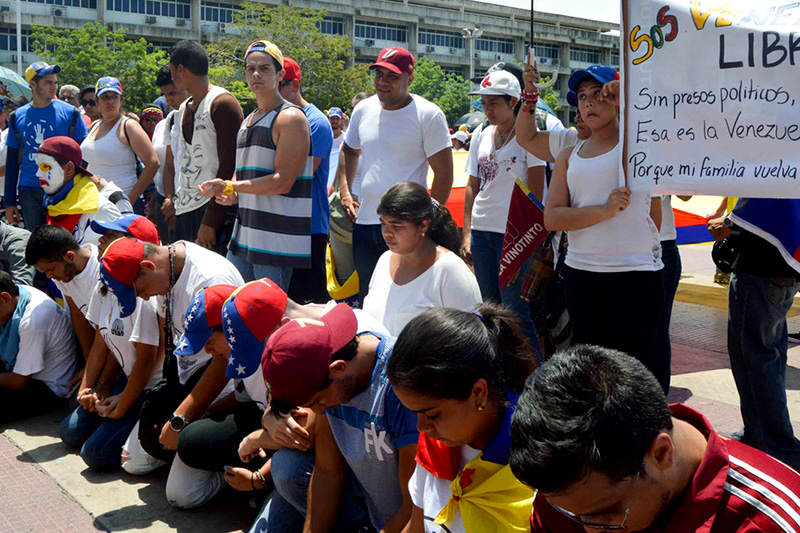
462, 374
420, 270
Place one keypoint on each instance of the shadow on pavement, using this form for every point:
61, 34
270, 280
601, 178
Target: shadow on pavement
679, 395
45, 453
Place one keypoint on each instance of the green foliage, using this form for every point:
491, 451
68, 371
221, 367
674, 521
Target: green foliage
92, 51
449, 91
549, 95
327, 79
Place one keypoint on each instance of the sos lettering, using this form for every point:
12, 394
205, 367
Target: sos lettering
656, 38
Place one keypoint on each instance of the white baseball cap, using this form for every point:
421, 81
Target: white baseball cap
499, 83
462, 136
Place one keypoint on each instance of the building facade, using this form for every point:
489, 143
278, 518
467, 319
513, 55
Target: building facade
430, 28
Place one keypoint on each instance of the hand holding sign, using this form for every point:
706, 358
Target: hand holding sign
618, 200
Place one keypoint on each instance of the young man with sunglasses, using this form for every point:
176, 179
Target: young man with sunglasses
88, 102
594, 434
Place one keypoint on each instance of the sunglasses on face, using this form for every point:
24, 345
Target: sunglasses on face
87, 103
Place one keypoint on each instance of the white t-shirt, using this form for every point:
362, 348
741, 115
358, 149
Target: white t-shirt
47, 348
447, 283
3, 152
106, 212
252, 389
497, 170
202, 268
81, 288
561, 139
336, 147
395, 146
161, 139
431, 494
118, 333
668, 231
121, 200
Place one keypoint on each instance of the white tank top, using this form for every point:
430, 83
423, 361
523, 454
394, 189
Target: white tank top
110, 159
627, 241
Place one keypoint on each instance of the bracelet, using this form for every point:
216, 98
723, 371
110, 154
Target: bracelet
261, 477
228, 190
253, 480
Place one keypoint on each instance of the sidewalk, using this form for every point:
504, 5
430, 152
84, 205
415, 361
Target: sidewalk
45, 487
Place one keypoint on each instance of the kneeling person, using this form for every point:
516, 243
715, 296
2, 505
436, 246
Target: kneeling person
38, 353
593, 432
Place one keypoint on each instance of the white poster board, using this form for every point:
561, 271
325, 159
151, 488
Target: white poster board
711, 100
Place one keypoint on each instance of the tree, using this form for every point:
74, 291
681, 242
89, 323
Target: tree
549, 95
329, 78
90, 52
449, 91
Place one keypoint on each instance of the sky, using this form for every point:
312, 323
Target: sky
606, 10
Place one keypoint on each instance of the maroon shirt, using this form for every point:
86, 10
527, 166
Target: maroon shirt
736, 488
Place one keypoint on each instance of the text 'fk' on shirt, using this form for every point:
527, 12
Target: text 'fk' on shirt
395, 146
202, 268
119, 333
369, 430
271, 229
47, 348
81, 287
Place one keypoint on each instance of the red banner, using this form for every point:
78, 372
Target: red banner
525, 231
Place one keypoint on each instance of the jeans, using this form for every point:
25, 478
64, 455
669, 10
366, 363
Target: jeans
31, 203
100, 439
487, 247
621, 311
285, 510
672, 276
757, 345
310, 285
281, 276
35, 399
368, 246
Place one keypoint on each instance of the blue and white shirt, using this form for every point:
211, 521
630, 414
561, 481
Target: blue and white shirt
369, 431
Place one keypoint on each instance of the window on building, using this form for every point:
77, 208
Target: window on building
217, 11
447, 69
332, 25
449, 39
8, 39
91, 4
615, 58
164, 8
495, 44
587, 55
382, 31
550, 51
166, 46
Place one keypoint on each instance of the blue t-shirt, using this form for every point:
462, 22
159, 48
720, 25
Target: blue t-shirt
37, 124
321, 142
369, 430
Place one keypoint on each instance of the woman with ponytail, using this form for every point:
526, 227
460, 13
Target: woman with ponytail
421, 269
462, 373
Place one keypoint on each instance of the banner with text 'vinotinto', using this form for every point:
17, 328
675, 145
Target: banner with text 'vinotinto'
711, 100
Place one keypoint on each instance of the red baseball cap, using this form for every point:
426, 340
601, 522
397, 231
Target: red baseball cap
395, 58
136, 226
291, 70
202, 315
119, 267
65, 149
297, 356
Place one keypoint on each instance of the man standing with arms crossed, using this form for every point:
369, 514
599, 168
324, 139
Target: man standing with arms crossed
398, 135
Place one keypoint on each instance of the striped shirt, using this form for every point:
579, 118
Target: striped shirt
272, 229
736, 488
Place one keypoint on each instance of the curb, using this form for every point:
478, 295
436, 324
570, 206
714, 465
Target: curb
713, 295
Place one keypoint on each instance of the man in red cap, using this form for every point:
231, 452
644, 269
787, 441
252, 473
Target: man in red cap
398, 135
310, 284
72, 198
326, 365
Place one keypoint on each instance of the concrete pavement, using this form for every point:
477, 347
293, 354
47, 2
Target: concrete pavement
46, 487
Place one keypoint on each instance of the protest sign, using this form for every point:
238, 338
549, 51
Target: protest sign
525, 231
711, 97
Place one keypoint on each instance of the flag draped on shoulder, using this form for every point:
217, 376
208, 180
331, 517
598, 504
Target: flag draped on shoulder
78, 197
525, 231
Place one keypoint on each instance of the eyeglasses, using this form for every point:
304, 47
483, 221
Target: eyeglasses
593, 525
87, 103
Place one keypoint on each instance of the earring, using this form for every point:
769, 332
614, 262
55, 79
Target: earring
481, 408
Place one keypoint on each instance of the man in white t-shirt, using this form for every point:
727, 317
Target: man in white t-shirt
173, 274
336, 118
397, 135
38, 354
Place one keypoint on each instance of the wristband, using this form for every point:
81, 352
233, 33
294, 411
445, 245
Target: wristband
261, 477
228, 190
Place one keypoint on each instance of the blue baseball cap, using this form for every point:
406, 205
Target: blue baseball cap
39, 69
335, 112
249, 316
572, 98
203, 314
119, 266
136, 226
106, 84
601, 73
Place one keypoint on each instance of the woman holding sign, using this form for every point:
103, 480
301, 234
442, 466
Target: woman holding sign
613, 266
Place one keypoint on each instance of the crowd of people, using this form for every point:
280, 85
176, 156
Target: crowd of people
167, 276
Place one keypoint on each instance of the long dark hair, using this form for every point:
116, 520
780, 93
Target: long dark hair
443, 352
411, 202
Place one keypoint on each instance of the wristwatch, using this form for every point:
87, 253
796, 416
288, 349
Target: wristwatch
177, 422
